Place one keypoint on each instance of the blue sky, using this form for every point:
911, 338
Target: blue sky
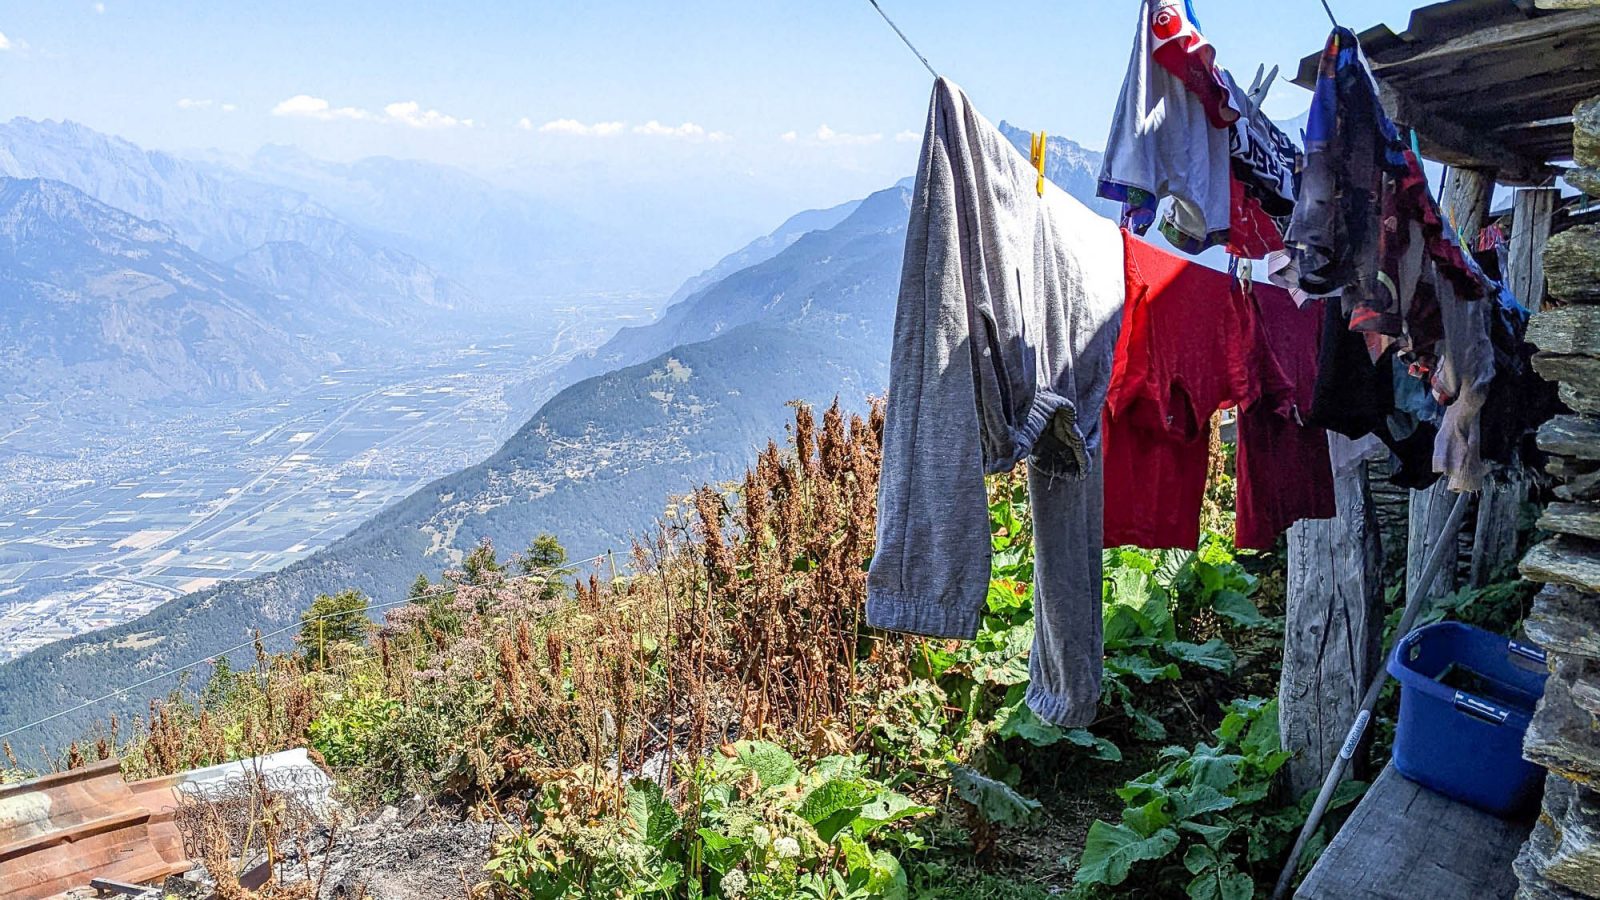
759, 108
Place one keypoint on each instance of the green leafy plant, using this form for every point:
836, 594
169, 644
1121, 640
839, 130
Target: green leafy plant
1208, 811
753, 823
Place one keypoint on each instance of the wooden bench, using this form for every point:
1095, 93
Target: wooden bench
1405, 842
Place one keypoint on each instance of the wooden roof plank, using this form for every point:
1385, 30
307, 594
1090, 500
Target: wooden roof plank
1509, 37
1450, 142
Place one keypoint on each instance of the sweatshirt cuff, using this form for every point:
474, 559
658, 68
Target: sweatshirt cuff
896, 612
1053, 437
1059, 710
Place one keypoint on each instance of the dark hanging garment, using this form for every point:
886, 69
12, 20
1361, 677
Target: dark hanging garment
1354, 396
1284, 474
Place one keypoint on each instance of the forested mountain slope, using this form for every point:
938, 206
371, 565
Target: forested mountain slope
593, 465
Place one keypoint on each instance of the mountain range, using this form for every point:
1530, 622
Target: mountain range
804, 313
105, 310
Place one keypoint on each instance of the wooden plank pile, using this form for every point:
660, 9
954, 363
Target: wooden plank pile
1562, 857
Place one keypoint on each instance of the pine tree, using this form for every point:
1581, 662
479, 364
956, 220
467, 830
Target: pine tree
420, 589
546, 555
331, 620
481, 566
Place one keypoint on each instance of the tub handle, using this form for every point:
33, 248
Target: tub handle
1479, 708
1528, 651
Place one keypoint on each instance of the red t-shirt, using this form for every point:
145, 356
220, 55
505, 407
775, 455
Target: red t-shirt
1283, 470
1190, 345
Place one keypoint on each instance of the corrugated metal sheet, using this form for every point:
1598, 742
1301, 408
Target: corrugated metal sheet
59, 831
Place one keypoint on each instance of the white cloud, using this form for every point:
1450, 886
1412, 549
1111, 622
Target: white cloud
190, 103
410, 112
789, 137
828, 136
403, 112
574, 127
304, 106
100, 8
229, 107
5, 42
906, 137
525, 123
686, 130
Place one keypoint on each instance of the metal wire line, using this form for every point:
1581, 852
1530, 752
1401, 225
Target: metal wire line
542, 573
907, 41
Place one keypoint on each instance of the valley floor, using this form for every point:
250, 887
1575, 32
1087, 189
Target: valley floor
93, 538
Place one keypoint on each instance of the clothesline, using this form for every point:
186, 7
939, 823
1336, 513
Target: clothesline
1101, 358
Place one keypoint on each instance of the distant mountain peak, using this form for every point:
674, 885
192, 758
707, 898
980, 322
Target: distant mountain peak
34, 208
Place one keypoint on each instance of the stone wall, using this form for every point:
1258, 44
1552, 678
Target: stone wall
1562, 858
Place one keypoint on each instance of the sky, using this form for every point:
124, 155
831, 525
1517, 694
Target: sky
755, 109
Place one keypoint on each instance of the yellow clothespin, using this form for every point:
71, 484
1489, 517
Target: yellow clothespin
1038, 158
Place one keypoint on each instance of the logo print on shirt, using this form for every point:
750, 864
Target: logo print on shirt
1167, 20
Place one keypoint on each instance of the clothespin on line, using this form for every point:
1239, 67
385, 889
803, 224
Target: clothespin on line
1260, 86
1037, 158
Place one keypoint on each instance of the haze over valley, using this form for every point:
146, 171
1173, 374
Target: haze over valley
370, 397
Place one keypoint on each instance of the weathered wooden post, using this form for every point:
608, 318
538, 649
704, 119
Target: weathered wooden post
1532, 211
1494, 539
1333, 623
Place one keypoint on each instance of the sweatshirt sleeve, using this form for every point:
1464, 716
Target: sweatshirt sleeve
930, 573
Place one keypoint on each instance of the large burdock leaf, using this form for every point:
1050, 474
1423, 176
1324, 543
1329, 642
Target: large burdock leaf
995, 800
835, 804
771, 763
887, 879
887, 808
1237, 608
1111, 850
1213, 654
652, 815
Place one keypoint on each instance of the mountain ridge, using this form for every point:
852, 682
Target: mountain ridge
113, 305
221, 216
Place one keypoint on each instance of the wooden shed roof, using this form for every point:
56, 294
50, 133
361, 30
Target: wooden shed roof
1486, 83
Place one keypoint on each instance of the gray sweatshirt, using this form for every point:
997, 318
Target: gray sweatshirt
1009, 309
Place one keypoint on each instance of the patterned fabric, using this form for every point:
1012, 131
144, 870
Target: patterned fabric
1180, 48
1169, 134
1361, 192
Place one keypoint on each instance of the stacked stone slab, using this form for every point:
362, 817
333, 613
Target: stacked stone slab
1562, 858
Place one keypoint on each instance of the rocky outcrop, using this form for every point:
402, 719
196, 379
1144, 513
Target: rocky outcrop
1572, 264
1586, 133
1562, 857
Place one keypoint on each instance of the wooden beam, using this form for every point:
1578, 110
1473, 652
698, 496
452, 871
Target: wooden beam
1405, 841
1450, 142
1510, 37
1532, 211
1333, 626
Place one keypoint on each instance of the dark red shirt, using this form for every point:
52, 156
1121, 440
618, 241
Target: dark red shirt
1283, 472
1190, 345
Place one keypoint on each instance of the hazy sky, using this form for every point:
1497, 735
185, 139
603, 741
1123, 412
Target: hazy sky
758, 108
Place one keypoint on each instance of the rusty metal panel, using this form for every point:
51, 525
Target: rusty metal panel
59, 831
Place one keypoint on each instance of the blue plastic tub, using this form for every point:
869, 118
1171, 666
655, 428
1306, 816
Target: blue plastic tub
1466, 696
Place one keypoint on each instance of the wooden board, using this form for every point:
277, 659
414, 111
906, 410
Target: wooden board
1405, 842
